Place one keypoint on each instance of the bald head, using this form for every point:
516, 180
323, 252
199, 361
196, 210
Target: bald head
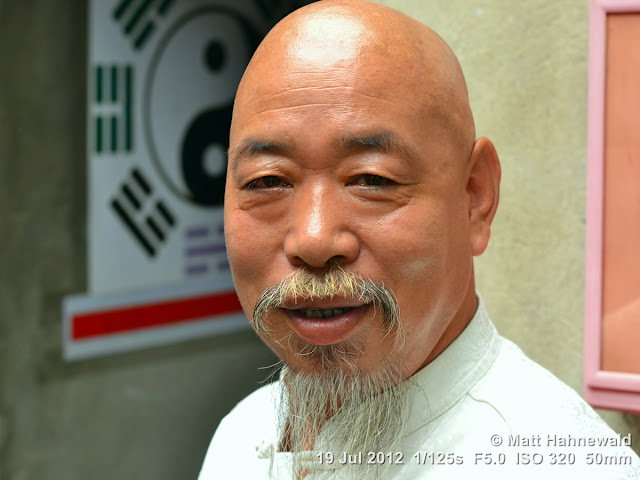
352, 145
367, 44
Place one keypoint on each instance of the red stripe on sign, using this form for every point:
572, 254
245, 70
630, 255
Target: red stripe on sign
96, 324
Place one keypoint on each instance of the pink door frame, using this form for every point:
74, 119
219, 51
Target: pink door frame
605, 389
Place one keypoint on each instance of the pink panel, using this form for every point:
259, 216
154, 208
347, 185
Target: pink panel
612, 289
621, 212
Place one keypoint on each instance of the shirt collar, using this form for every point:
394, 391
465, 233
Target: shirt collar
444, 381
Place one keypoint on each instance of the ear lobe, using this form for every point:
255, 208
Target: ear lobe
483, 188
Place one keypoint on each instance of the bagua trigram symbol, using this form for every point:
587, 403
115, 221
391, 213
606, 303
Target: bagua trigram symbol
205, 250
149, 222
139, 18
112, 108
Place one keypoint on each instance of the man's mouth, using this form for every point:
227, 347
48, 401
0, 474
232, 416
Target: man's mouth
323, 312
324, 326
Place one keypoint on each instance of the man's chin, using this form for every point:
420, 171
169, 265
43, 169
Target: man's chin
311, 359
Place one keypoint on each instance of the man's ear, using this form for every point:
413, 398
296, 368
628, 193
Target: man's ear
483, 188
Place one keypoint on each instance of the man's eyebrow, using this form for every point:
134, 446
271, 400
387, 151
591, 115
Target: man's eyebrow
252, 146
384, 142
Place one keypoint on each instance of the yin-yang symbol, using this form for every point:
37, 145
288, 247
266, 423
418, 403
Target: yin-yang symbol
188, 99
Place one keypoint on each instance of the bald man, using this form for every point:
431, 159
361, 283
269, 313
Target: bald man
357, 195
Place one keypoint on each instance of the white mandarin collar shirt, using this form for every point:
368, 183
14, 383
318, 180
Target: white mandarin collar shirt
481, 409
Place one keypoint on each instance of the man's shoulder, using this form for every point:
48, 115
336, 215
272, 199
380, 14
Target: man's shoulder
525, 408
527, 395
251, 422
241, 434
257, 407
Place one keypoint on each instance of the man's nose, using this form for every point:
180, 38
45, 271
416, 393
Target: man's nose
320, 233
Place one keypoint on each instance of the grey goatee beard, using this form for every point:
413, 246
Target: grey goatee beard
342, 413
336, 406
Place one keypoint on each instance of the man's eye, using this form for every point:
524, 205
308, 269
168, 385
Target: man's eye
269, 181
371, 180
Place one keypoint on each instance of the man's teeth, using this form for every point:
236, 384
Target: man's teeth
323, 313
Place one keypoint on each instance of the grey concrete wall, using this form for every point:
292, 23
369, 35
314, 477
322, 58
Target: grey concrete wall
147, 415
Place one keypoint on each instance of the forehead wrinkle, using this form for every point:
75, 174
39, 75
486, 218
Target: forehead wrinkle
328, 95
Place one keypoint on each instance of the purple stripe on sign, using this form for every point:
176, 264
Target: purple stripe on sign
205, 250
221, 229
196, 269
223, 266
196, 232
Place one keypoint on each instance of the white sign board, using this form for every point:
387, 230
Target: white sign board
162, 76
